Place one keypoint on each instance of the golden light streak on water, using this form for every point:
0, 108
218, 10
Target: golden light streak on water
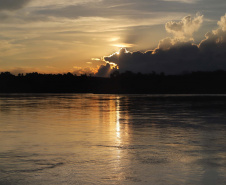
118, 119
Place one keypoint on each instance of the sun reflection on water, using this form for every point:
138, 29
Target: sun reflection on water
118, 134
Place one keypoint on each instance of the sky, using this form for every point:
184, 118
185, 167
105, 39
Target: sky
94, 36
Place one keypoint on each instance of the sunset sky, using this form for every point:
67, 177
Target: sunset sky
80, 36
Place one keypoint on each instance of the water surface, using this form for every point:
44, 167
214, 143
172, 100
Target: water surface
112, 139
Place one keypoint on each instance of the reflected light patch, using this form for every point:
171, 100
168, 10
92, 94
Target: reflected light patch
117, 119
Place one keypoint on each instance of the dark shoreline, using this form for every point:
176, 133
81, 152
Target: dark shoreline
118, 83
179, 97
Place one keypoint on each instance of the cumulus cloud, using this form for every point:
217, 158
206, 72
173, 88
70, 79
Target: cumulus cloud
222, 23
12, 4
106, 70
185, 28
165, 44
175, 56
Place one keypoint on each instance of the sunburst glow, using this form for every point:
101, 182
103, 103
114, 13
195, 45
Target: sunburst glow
123, 45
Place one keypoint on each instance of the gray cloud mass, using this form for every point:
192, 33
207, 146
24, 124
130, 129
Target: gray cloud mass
174, 56
12, 4
118, 8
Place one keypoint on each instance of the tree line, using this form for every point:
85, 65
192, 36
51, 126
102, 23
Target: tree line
118, 83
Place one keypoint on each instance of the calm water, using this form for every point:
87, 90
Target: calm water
111, 139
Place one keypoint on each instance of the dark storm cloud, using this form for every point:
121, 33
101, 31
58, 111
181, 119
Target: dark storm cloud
104, 70
12, 4
175, 56
179, 58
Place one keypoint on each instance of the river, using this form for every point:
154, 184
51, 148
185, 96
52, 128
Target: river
112, 139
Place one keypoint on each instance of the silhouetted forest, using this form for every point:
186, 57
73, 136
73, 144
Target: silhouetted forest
128, 82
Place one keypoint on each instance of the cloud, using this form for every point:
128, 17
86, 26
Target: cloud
165, 44
132, 9
12, 4
86, 70
59, 3
104, 70
183, 1
97, 59
222, 23
185, 28
175, 56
